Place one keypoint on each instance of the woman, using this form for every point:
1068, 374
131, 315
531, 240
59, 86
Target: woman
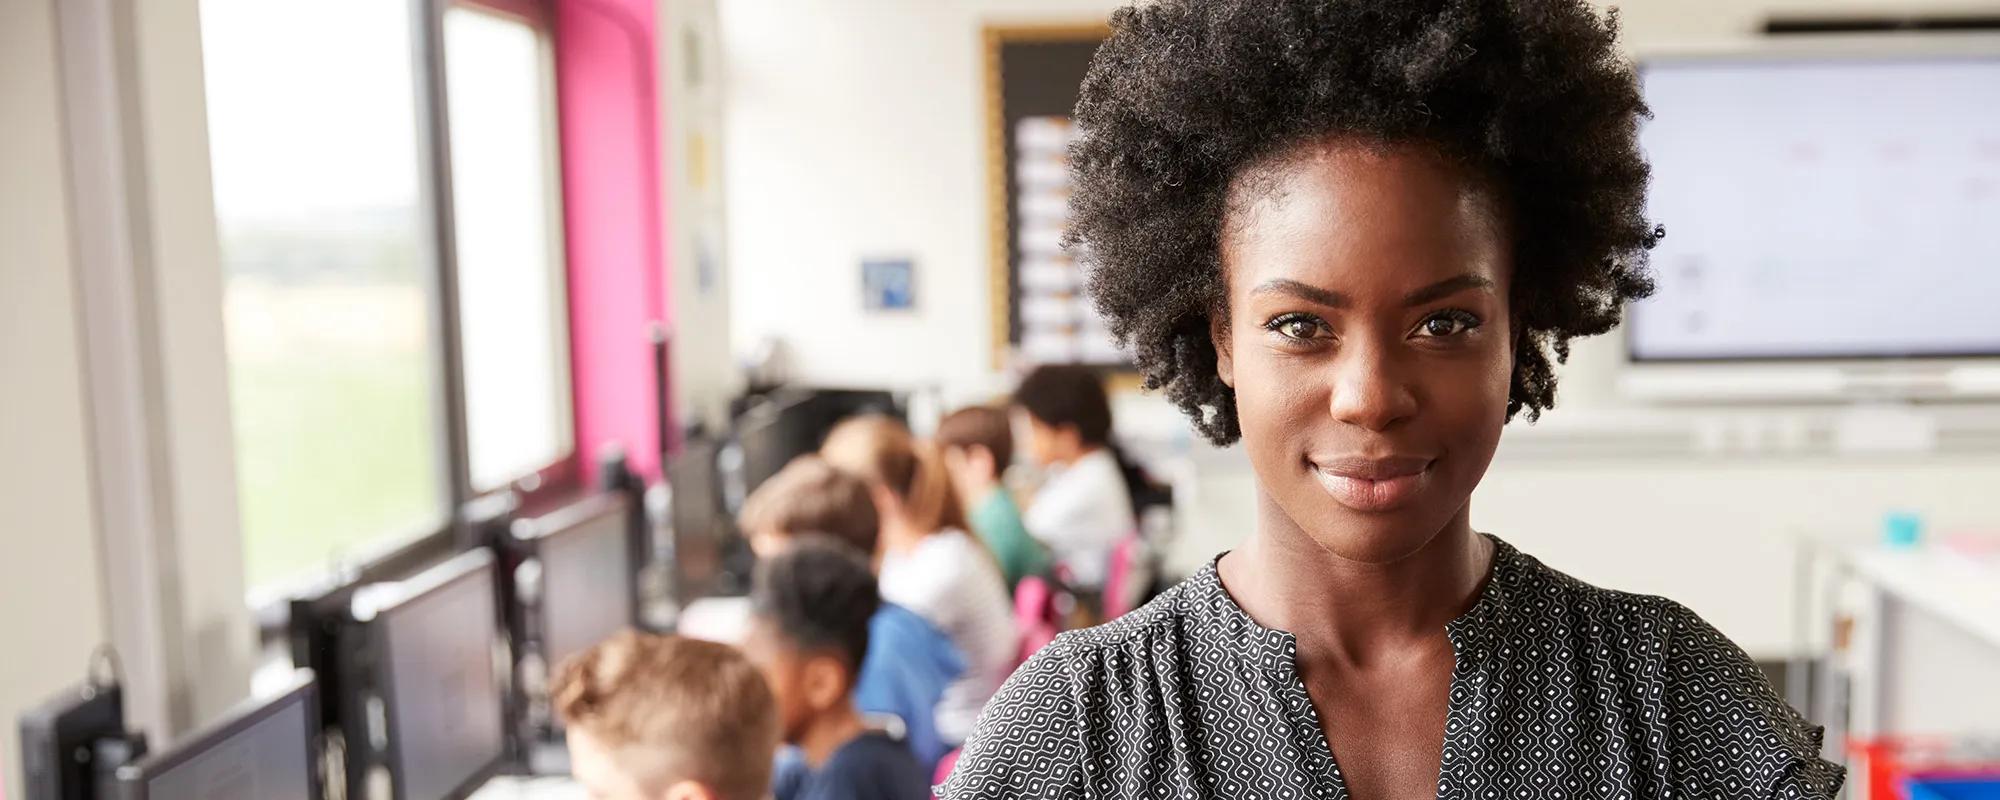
1357, 235
929, 564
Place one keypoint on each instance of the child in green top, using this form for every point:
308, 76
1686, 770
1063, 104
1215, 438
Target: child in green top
978, 444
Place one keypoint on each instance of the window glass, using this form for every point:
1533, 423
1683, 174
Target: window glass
333, 373
512, 320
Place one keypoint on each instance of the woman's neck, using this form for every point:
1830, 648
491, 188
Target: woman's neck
900, 535
1351, 611
825, 735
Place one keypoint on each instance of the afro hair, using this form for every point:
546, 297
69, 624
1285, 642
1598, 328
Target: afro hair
1530, 96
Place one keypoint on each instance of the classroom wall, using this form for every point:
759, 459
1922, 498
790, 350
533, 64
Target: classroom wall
852, 130
613, 214
698, 290
50, 583
855, 129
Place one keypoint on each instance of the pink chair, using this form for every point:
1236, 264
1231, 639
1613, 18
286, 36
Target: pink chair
944, 768
1035, 616
1119, 593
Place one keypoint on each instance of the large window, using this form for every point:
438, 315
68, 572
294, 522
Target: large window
315, 149
351, 434
512, 318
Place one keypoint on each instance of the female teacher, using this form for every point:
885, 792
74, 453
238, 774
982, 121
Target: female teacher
1357, 235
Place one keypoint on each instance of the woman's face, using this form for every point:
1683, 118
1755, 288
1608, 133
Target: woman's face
1369, 341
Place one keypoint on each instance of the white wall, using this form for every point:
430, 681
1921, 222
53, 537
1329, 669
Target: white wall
855, 129
690, 52
51, 609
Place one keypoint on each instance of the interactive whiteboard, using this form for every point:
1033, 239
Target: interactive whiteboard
1823, 208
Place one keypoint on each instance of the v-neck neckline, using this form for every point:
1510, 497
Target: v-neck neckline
1274, 654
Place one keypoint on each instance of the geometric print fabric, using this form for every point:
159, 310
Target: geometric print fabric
1561, 690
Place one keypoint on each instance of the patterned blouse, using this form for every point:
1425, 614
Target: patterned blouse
1561, 690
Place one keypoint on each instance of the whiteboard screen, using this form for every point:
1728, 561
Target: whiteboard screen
1823, 209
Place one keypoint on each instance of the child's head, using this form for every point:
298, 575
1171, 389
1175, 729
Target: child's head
978, 444
809, 496
667, 718
906, 477
1067, 412
810, 609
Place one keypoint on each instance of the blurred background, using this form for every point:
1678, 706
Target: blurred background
302, 295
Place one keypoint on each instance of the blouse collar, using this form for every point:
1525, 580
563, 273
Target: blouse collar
1472, 634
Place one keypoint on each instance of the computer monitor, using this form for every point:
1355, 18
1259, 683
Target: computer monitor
588, 579
437, 674
262, 751
770, 435
795, 422
58, 741
704, 536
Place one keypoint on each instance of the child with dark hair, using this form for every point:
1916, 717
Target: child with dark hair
1084, 509
978, 444
809, 633
912, 662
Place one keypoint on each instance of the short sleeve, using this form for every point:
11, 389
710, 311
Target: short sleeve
1730, 733
1028, 743
1809, 778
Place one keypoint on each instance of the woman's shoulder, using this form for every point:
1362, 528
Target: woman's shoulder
1033, 737
1729, 727
1085, 668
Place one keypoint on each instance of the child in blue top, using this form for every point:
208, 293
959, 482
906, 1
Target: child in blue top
809, 633
909, 662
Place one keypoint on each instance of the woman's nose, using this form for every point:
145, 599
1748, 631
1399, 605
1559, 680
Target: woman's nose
1369, 389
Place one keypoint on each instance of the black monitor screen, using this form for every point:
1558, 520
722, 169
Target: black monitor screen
264, 753
587, 582
441, 687
56, 740
793, 424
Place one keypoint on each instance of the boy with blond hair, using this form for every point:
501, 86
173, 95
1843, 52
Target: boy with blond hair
667, 718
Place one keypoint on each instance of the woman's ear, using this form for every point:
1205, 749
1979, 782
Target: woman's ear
1225, 360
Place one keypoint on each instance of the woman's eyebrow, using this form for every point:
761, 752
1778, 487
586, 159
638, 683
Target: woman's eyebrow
1304, 291
1446, 288
1332, 299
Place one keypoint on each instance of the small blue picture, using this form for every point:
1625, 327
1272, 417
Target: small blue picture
888, 284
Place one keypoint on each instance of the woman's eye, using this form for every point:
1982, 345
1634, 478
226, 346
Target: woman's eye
1296, 327
1448, 324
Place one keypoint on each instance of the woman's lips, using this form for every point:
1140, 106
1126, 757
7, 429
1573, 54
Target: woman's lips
1373, 485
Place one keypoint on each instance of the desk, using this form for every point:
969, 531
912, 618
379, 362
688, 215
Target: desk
1921, 654
716, 619
507, 787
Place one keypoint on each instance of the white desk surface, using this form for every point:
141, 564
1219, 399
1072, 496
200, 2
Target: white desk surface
1952, 587
716, 619
507, 787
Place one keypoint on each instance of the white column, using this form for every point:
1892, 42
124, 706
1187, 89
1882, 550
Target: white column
150, 288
